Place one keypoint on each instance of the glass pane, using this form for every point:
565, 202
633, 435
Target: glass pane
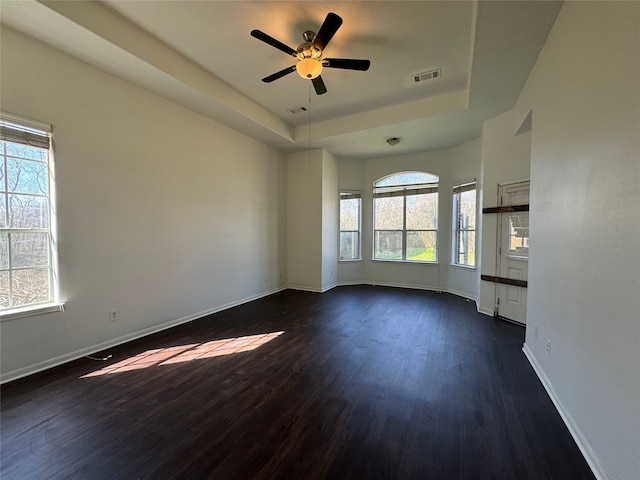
2, 184
3, 210
350, 214
421, 246
519, 234
388, 213
422, 211
465, 253
349, 246
388, 245
406, 178
19, 150
467, 210
4, 289
30, 286
26, 176
29, 250
4, 250
26, 211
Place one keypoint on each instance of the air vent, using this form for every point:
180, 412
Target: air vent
430, 75
298, 109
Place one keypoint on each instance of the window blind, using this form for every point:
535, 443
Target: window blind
395, 192
349, 195
25, 135
465, 187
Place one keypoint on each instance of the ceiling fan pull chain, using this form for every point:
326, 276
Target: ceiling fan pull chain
309, 129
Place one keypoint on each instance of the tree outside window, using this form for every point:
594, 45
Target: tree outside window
350, 221
405, 208
464, 224
26, 255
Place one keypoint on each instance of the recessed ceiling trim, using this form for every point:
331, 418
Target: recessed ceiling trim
405, 112
111, 26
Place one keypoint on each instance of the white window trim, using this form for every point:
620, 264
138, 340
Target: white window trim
31, 311
359, 193
454, 230
54, 305
401, 190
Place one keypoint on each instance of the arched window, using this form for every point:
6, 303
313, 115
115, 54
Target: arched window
405, 217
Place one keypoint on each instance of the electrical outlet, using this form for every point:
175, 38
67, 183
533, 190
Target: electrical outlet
535, 330
549, 347
114, 315
266, 278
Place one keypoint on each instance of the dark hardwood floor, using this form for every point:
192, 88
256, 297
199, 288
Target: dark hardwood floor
364, 383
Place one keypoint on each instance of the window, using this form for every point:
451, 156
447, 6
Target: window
405, 217
519, 235
26, 218
464, 224
350, 214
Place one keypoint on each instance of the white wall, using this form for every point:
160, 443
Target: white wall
584, 269
162, 214
505, 157
304, 220
350, 178
465, 165
330, 220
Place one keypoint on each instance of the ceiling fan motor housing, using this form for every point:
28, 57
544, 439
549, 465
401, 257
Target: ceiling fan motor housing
308, 50
309, 57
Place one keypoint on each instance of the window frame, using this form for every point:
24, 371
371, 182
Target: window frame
406, 190
353, 194
30, 133
457, 190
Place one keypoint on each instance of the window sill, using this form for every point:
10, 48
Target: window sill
350, 261
410, 262
463, 267
31, 311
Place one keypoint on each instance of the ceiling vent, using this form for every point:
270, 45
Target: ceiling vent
298, 109
424, 76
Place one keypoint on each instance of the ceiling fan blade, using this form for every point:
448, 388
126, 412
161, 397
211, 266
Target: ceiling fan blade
279, 74
328, 29
347, 63
273, 42
318, 84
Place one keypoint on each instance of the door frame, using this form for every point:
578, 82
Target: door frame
499, 246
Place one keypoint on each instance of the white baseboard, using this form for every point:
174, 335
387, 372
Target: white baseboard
83, 352
587, 452
414, 287
462, 294
329, 287
394, 285
305, 288
486, 311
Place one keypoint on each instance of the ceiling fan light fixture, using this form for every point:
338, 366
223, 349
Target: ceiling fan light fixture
309, 68
309, 54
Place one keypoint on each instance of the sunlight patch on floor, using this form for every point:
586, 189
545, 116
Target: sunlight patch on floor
187, 353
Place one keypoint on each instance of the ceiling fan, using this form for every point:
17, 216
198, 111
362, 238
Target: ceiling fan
309, 54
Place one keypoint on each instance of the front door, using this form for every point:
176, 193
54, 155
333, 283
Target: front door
513, 253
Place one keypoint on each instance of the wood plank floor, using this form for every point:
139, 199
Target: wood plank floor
363, 383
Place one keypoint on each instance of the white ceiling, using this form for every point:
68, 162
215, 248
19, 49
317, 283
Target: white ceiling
200, 55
